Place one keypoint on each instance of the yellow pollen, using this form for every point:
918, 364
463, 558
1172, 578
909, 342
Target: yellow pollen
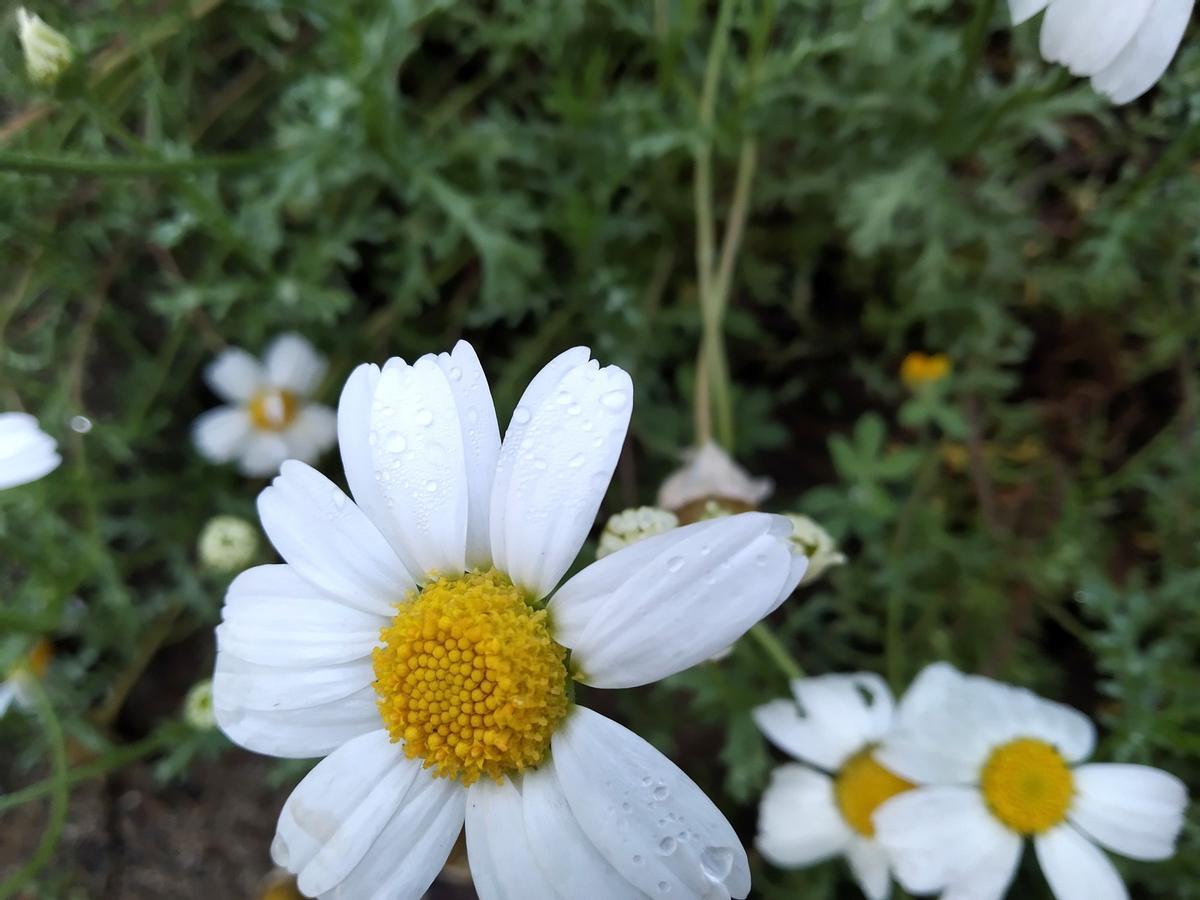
1028, 786
861, 787
470, 679
273, 409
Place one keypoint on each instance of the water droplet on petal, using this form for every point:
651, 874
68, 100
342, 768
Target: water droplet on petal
577, 460
614, 399
339, 499
661, 792
424, 417
664, 887
637, 859
396, 442
675, 563
521, 415
716, 863
667, 846
431, 486
456, 373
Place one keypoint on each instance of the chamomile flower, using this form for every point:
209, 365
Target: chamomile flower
227, 544
409, 640
821, 809
16, 687
710, 474
26, 452
998, 765
817, 544
48, 52
269, 416
632, 525
1123, 47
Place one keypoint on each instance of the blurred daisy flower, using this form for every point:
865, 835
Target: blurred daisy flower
26, 452
198, 706
1123, 47
822, 809
269, 416
920, 369
998, 765
48, 53
16, 687
710, 478
632, 525
228, 544
409, 640
817, 544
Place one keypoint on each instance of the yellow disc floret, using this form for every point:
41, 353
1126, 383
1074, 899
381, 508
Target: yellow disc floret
1028, 786
470, 678
273, 409
861, 787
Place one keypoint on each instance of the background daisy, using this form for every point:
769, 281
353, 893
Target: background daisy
26, 452
997, 765
812, 812
269, 416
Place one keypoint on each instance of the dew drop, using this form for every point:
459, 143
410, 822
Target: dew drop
664, 887
472, 416
667, 846
647, 781
661, 792
456, 373
521, 415
675, 563
716, 863
614, 399
577, 460
424, 417
396, 442
431, 486
339, 499
81, 424
637, 859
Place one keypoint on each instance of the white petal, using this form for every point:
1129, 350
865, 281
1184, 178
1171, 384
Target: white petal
1024, 10
555, 465
273, 617
263, 454
869, 865
246, 685
292, 364
935, 836
327, 540
1087, 37
832, 718
413, 846
706, 585
417, 448
481, 444
538, 390
235, 376
312, 433
339, 809
571, 863
503, 865
1077, 869
628, 798
8, 693
1136, 811
948, 724
1144, 60
300, 733
26, 452
221, 434
798, 820
991, 875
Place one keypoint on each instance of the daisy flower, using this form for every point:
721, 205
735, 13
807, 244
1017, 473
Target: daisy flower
268, 417
997, 765
822, 809
16, 687
1123, 47
26, 452
710, 473
409, 641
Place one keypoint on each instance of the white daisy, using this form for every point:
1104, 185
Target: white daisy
268, 417
632, 525
408, 641
26, 452
998, 764
709, 473
48, 53
817, 544
1123, 47
813, 812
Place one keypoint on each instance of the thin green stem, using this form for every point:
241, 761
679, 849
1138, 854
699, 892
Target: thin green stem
778, 653
32, 164
57, 787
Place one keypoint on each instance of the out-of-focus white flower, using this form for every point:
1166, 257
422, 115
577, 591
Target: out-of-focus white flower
632, 525
198, 706
16, 687
709, 473
816, 543
48, 53
400, 643
997, 766
823, 808
269, 416
26, 452
1124, 47
228, 544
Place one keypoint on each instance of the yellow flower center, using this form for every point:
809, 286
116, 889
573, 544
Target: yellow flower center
470, 678
1028, 786
273, 409
861, 787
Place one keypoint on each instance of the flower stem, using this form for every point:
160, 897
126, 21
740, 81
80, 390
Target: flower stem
778, 653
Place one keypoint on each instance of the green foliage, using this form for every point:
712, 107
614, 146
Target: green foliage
387, 176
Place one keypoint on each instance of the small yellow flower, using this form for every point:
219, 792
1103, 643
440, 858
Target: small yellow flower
48, 53
920, 369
